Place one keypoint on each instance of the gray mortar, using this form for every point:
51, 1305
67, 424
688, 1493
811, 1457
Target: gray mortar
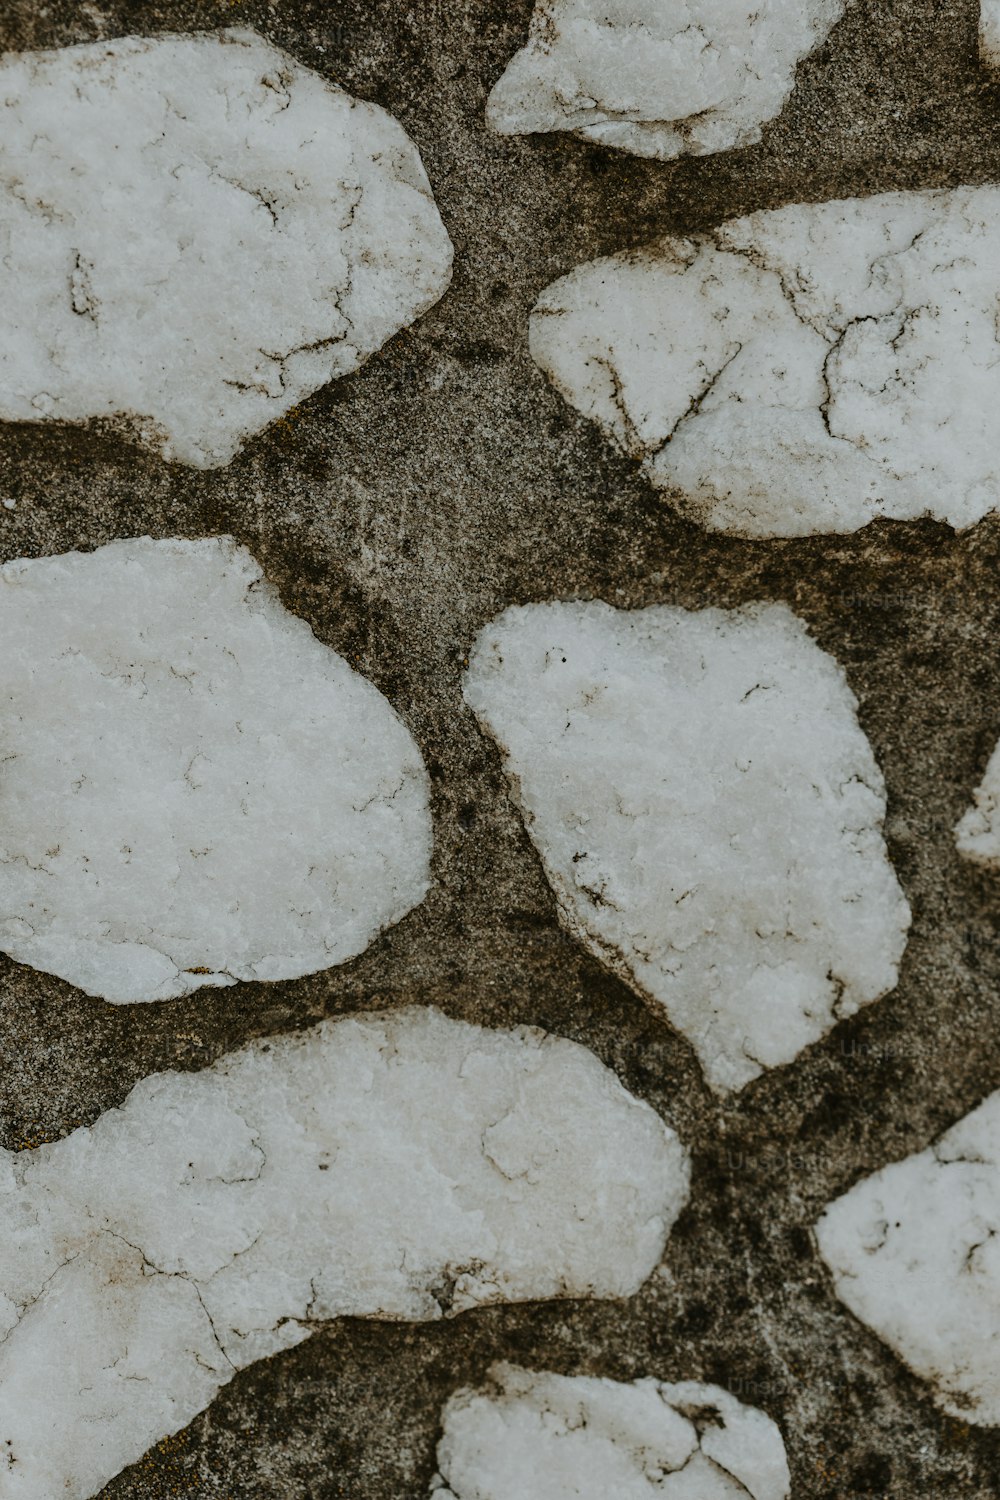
398, 512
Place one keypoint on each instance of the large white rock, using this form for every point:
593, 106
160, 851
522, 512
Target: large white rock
536, 1436
196, 232
989, 32
708, 812
193, 789
804, 370
658, 77
400, 1166
915, 1254
978, 833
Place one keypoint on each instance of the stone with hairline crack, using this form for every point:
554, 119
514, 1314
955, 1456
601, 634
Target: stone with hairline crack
530, 1435
801, 371
401, 1166
708, 812
658, 77
915, 1254
197, 232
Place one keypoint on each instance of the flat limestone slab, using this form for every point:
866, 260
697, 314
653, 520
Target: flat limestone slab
193, 788
531, 1435
658, 77
402, 1166
915, 1254
196, 233
708, 812
801, 371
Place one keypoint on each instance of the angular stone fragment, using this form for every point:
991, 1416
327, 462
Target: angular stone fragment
989, 32
197, 232
708, 812
658, 77
915, 1254
536, 1436
193, 789
800, 371
400, 1166
978, 833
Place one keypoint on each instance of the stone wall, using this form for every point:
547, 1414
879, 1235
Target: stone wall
401, 509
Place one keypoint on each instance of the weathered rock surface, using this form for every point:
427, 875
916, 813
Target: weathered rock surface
197, 232
536, 1436
800, 371
193, 788
658, 77
402, 1166
401, 510
708, 812
915, 1254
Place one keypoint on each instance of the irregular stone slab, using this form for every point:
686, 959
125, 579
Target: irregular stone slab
536, 1436
915, 1254
802, 371
196, 233
193, 789
708, 812
989, 32
658, 77
402, 1166
978, 833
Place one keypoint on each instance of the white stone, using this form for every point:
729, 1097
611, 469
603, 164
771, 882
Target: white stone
989, 32
978, 833
708, 813
536, 1436
193, 789
196, 233
399, 1166
915, 1254
658, 77
801, 371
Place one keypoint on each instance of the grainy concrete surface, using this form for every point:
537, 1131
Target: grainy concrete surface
400, 509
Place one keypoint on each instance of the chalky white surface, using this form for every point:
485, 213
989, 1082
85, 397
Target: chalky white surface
402, 1166
989, 32
915, 1254
529, 1436
658, 77
978, 833
799, 371
708, 812
197, 232
193, 789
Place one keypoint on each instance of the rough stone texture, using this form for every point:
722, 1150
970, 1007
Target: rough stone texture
708, 812
218, 1217
398, 512
658, 77
529, 1436
915, 1254
802, 371
196, 233
194, 789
